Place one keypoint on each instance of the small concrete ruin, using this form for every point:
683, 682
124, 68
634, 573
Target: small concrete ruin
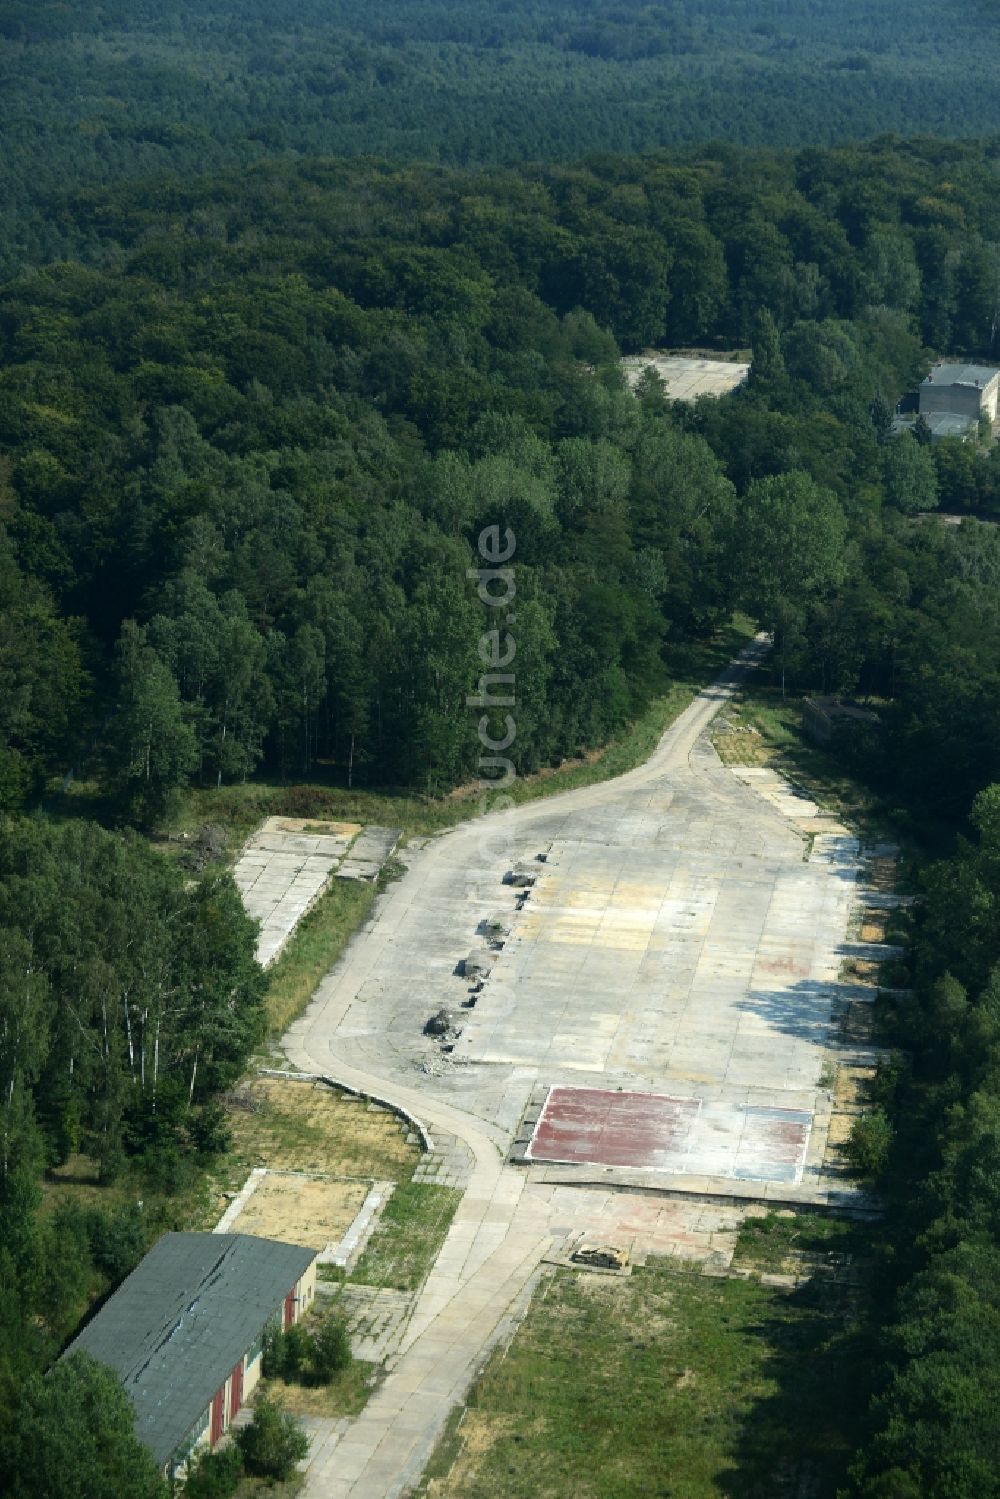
600, 1256
824, 717
284, 867
442, 1023
369, 852
289, 861
686, 377
496, 928
479, 963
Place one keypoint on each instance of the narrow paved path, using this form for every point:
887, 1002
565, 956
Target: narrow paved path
504, 1225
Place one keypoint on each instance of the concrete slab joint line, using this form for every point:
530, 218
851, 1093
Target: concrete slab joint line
679, 945
346, 1253
239, 1202
282, 871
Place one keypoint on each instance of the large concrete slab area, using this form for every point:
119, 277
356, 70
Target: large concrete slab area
680, 938
284, 866
672, 935
687, 377
682, 915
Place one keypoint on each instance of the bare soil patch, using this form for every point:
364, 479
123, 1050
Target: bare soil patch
861, 971
740, 748
851, 1087
882, 874
313, 825
481, 1431
839, 1133
851, 1091
300, 1210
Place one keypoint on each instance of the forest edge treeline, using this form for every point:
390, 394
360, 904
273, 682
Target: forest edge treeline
249, 440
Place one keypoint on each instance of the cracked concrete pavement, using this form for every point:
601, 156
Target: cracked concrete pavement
679, 938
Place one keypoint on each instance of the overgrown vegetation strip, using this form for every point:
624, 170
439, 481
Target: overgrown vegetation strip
409, 1235
664, 1382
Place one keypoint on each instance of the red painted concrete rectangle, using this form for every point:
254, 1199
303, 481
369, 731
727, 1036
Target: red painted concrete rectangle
658, 1132
595, 1127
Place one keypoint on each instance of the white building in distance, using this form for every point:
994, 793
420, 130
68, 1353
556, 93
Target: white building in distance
687, 378
953, 397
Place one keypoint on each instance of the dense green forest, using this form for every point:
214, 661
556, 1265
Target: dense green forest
255, 413
128, 997
933, 1145
246, 461
249, 444
102, 90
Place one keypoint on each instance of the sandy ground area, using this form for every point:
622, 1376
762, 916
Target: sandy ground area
300, 1210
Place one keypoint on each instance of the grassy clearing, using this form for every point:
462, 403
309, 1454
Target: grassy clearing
266, 1488
285, 1125
314, 947
405, 1244
346, 1394
237, 810
779, 741
293, 1126
311, 1128
300, 1126
786, 1241
193, 1205
77, 1182
664, 1383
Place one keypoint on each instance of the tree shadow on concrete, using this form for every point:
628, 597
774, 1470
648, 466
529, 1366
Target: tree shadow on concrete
803, 1010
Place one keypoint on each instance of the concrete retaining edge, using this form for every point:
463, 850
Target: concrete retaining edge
843, 1203
426, 1139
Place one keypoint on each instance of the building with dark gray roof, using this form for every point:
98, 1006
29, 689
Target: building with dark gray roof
184, 1332
954, 397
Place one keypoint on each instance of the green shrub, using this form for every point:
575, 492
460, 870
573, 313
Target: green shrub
214, 1475
167, 1169
209, 1130
331, 1349
869, 1142
273, 1442
272, 1362
896, 973
118, 1242
285, 1354
298, 1347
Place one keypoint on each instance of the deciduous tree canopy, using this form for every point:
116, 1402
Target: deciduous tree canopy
252, 426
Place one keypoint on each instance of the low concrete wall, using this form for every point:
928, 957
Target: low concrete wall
426, 1139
